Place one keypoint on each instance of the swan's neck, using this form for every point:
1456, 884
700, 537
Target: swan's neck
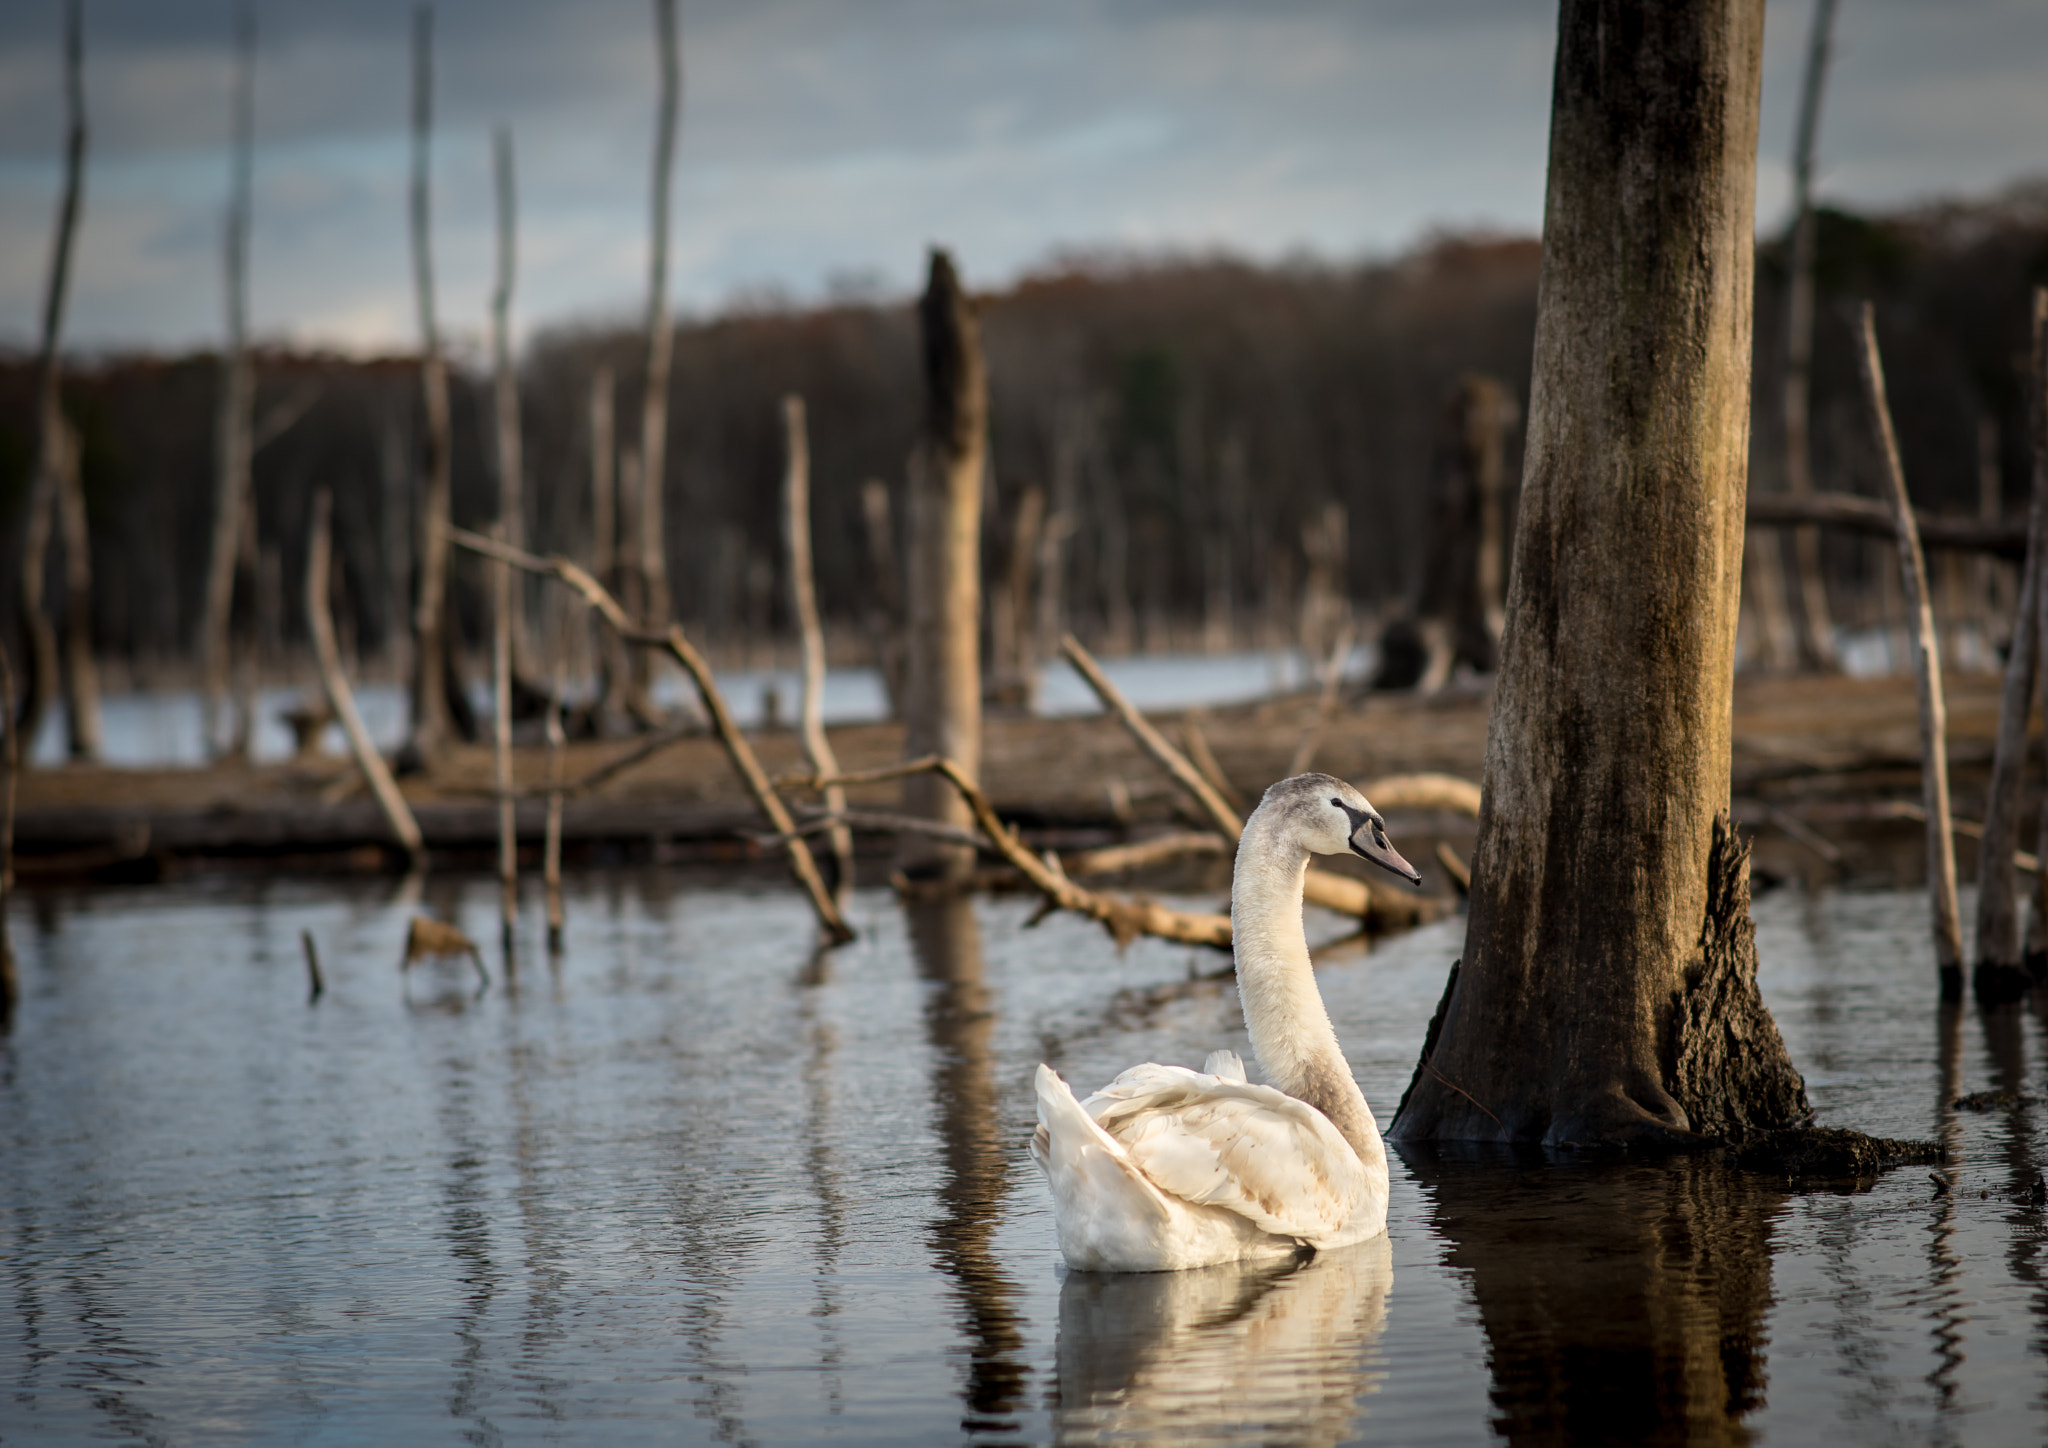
1283, 1010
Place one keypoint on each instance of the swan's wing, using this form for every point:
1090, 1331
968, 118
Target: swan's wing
1252, 1150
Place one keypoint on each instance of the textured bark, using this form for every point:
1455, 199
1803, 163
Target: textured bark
2001, 975
1607, 758
233, 445
944, 573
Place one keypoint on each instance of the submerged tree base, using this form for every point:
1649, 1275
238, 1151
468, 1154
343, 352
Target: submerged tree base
1804, 1152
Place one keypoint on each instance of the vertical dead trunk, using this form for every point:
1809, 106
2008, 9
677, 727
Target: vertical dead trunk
803, 601
660, 334
501, 751
1013, 675
1941, 849
57, 485
432, 719
615, 668
944, 635
1993, 605
2036, 951
505, 392
885, 606
1607, 896
10, 769
1816, 628
232, 438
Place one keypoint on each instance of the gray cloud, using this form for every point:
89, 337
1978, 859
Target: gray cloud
822, 137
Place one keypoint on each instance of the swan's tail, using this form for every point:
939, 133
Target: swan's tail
1107, 1212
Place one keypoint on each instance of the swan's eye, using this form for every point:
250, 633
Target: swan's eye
1337, 802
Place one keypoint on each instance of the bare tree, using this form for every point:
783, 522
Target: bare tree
1816, 632
505, 377
432, 719
232, 440
660, 332
803, 599
1608, 989
58, 488
944, 574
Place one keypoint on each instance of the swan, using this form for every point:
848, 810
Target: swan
1167, 1168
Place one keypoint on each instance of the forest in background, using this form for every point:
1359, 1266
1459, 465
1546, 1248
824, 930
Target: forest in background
1190, 421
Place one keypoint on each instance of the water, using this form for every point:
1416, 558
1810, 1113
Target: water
695, 1185
154, 728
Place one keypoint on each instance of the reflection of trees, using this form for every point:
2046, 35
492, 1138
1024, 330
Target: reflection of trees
958, 1021
1621, 1302
1271, 1352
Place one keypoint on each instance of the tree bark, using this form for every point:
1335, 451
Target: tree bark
2001, 975
1816, 629
944, 635
233, 444
1934, 794
432, 719
885, 608
1596, 875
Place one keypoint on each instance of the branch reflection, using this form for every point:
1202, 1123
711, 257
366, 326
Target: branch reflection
1270, 1352
1622, 1302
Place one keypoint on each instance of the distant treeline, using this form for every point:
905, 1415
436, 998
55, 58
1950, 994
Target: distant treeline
1191, 421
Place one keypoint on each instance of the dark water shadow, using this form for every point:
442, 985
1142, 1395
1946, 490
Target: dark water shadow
1268, 1353
960, 1024
1622, 1302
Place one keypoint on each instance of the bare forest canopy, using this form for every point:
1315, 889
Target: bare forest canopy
1193, 418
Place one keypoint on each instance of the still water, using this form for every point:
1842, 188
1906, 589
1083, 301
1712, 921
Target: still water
693, 1184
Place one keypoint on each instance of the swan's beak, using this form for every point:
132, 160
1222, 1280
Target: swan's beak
1369, 841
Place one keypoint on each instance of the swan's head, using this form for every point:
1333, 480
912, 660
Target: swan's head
1329, 817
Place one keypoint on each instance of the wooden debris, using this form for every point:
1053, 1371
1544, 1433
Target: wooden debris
316, 984
1116, 859
431, 939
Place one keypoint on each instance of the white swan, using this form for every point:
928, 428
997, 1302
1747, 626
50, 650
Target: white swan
1165, 1167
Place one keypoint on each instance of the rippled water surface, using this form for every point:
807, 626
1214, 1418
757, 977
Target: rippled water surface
691, 1183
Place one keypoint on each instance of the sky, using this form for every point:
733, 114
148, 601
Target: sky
826, 143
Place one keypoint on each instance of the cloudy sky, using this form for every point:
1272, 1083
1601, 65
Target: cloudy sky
826, 142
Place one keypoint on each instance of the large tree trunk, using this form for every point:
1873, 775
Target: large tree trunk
1607, 901
944, 715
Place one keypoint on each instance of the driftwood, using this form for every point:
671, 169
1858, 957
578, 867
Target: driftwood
1319, 887
1125, 920
1115, 859
1941, 850
1423, 792
320, 623
673, 641
1876, 518
1203, 758
803, 598
2001, 974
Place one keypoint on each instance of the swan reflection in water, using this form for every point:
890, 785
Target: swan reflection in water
1247, 1351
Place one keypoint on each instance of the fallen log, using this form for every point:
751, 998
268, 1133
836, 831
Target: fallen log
1874, 516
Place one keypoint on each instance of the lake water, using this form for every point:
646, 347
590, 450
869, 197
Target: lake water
691, 1183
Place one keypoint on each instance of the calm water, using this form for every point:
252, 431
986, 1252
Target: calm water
694, 1185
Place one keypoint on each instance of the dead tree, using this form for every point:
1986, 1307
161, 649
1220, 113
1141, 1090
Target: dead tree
233, 446
660, 334
1941, 850
1816, 630
944, 574
433, 719
58, 494
2001, 975
1454, 613
885, 596
803, 599
1608, 990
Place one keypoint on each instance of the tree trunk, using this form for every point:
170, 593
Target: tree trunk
57, 486
1606, 896
232, 445
803, 608
431, 716
2001, 975
885, 598
1816, 629
660, 335
944, 634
